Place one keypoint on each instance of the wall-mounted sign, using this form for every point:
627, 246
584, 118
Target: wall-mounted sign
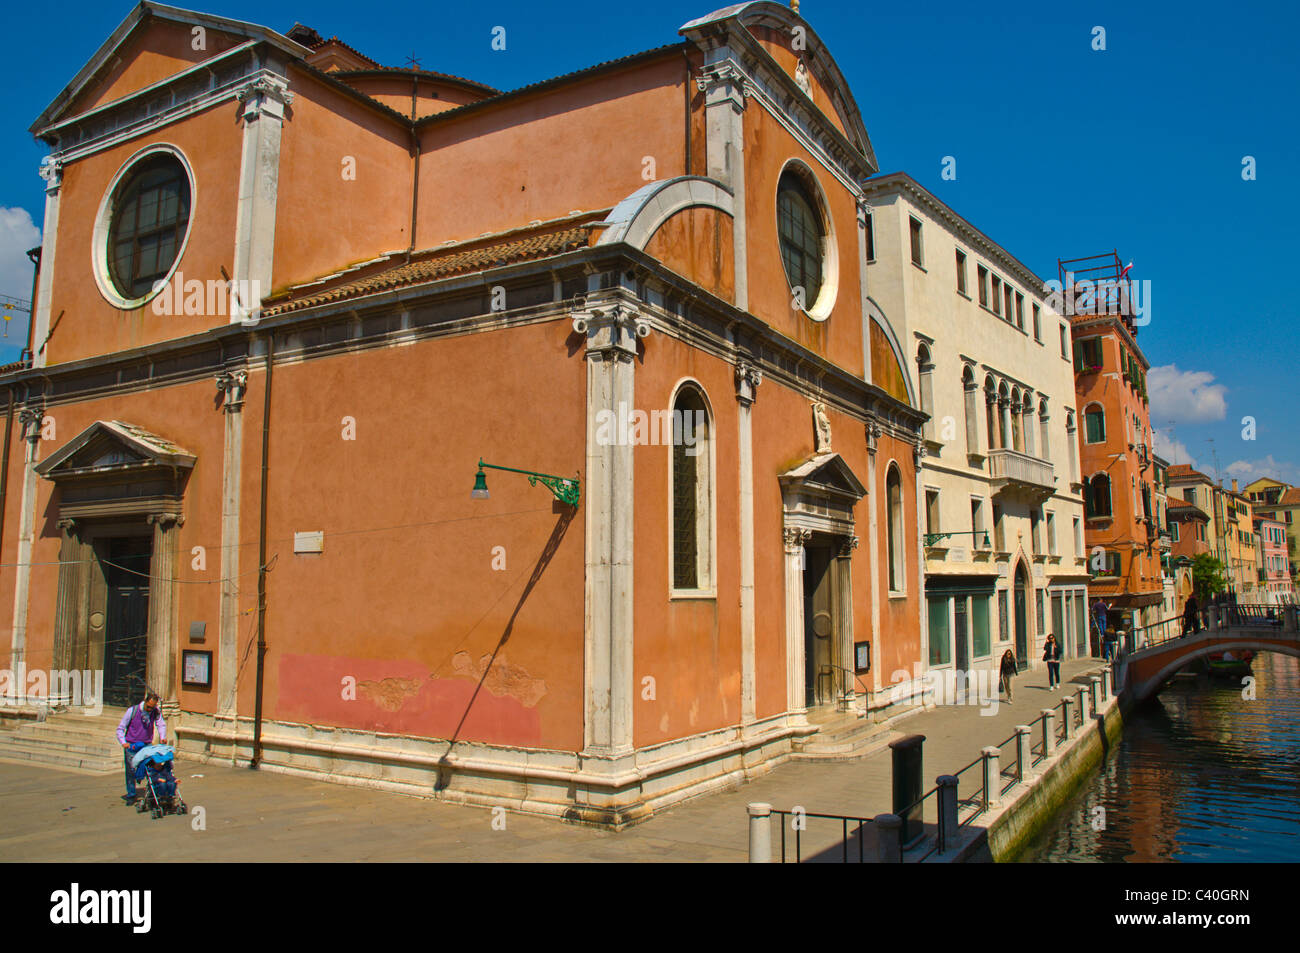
309, 542
196, 668
198, 630
861, 657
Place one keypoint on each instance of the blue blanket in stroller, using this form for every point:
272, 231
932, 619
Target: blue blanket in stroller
155, 761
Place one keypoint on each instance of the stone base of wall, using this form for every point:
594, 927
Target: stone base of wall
608, 792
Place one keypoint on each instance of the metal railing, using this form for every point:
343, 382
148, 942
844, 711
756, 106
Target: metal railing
844, 820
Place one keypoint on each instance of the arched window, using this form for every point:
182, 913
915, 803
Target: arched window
1094, 424
894, 504
1017, 438
801, 234
971, 391
924, 368
1027, 427
1004, 401
1096, 496
692, 491
1071, 443
150, 216
991, 410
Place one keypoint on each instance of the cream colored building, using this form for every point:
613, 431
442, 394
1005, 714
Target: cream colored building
994, 370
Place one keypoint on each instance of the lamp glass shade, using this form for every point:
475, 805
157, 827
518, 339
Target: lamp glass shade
480, 491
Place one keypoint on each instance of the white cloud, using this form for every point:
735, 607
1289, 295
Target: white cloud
1247, 471
17, 234
1174, 451
1185, 396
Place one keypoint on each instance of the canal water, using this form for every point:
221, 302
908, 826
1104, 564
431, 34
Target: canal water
1200, 774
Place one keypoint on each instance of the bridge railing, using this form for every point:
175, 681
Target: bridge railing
1211, 618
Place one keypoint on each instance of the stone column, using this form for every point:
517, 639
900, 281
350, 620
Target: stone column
29, 418
611, 331
1049, 731
922, 616
844, 590
52, 173
163, 642
873, 552
264, 100
232, 385
725, 87
748, 378
70, 606
794, 648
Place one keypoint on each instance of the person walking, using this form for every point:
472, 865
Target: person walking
134, 731
1099, 616
1007, 672
1191, 616
1052, 656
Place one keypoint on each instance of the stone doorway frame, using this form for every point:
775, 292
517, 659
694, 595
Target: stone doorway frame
116, 479
818, 496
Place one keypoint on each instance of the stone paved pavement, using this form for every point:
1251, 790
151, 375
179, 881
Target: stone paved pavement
52, 815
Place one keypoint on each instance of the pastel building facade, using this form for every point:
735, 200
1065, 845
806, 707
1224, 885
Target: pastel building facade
289, 300
1002, 513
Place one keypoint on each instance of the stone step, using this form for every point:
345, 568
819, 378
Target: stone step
54, 758
67, 739
86, 746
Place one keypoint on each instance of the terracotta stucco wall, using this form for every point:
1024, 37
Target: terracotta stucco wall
404, 598
698, 244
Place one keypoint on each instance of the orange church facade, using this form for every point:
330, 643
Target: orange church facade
645, 277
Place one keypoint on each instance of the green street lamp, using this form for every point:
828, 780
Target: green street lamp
567, 490
932, 538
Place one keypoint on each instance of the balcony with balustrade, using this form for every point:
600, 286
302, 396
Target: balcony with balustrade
1020, 477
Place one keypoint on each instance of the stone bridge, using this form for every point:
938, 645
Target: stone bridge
1155, 652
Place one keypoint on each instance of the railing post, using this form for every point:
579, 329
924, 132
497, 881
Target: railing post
760, 833
1094, 693
992, 778
948, 822
889, 841
1024, 753
1106, 687
1212, 617
1049, 732
1292, 619
1081, 698
1067, 714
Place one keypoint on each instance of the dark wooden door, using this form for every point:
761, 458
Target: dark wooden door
126, 632
1022, 619
819, 627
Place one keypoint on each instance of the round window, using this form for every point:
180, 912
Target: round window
802, 236
149, 214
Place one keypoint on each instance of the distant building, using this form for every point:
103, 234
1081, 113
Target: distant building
1273, 561
1281, 502
1114, 439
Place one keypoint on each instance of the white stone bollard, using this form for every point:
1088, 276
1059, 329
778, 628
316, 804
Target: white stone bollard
760, 833
1094, 693
948, 818
1049, 732
1067, 713
889, 842
1024, 752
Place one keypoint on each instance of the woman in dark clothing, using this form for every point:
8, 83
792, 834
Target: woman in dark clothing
1052, 656
1008, 671
1191, 616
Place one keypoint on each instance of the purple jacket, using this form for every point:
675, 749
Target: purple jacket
138, 724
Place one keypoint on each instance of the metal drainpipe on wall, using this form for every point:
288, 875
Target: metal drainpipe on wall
261, 563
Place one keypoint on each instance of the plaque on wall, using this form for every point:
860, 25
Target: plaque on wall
861, 657
198, 631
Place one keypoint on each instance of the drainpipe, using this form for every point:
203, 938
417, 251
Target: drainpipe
4, 463
687, 57
415, 186
34, 255
261, 557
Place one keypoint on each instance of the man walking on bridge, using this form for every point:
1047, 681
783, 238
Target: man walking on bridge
1191, 616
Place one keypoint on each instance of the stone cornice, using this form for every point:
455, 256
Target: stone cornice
902, 184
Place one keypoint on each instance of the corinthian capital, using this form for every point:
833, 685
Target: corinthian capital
748, 377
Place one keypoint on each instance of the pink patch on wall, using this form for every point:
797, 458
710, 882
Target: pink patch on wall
399, 697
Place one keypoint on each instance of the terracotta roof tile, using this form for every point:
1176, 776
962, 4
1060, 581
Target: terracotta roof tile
443, 263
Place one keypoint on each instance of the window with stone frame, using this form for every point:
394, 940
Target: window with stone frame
149, 219
692, 492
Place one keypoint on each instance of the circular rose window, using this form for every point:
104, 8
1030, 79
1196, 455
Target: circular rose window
142, 226
807, 250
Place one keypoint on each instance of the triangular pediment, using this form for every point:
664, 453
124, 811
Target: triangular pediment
153, 42
826, 471
108, 446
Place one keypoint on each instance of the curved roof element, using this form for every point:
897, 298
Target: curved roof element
819, 61
635, 219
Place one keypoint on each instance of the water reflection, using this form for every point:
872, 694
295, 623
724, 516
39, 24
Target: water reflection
1201, 774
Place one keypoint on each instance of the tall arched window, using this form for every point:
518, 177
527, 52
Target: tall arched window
971, 392
894, 504
692, 492
991, 410
1072, 445
924, 368
1017, 439
1044, 431
1096, 496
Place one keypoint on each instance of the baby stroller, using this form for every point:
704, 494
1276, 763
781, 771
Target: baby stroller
161, 795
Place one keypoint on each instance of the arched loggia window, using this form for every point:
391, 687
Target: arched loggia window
692, 491
1096, 497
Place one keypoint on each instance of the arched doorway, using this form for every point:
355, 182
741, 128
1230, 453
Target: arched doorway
1022, 617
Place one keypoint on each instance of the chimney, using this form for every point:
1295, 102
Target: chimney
1234, 486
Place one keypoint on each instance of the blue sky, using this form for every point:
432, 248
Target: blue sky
1061, 150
